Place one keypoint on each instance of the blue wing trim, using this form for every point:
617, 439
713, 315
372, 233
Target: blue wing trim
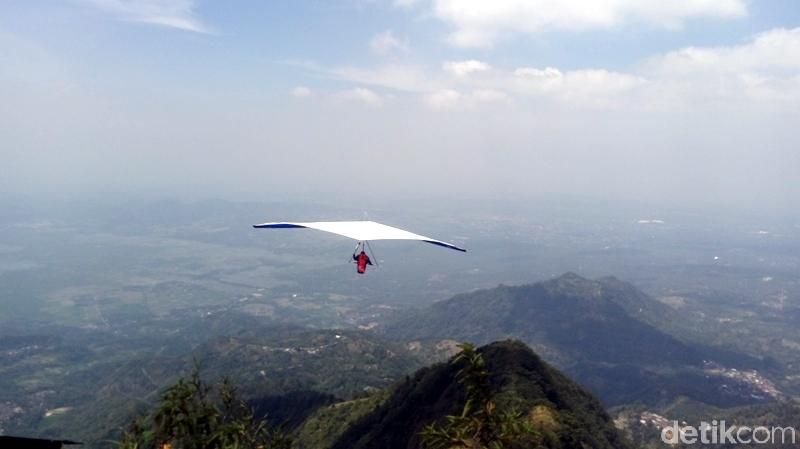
446, 245
277, 226
284, 225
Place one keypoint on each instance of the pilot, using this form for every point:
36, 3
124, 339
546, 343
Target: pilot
362, 260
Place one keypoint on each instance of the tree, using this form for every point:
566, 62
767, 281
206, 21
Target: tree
194, 415
480, 425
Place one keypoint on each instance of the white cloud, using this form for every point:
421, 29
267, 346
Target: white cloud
479, 23
362, 95
408, 78
300, 92
777, 49
766, 68
452, 99
385, 42
178, 14
464, 68
442, 99
598, 87
489, 96
545, 80
588, 87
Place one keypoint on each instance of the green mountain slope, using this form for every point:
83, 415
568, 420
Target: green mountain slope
587, 328
285, 372
568, 415
322, 428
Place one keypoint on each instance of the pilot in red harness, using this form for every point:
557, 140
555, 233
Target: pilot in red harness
362, 260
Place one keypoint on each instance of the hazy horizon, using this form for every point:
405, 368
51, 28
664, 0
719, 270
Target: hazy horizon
368, 99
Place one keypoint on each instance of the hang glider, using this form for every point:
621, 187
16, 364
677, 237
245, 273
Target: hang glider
362, 231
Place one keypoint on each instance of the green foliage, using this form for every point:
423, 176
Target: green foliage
327, 424
593, 330
480, 425
106, 377
195, 415
562, 414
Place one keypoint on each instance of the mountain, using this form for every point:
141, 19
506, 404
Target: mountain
284, 372
565, 414
596, 331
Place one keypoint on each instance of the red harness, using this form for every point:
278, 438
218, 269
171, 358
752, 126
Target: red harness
361, 262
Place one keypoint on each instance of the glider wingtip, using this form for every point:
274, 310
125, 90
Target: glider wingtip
279, 225
445, 245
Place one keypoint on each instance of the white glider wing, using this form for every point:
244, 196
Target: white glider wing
361, 231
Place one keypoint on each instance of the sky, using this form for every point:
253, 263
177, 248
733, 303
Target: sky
685, 100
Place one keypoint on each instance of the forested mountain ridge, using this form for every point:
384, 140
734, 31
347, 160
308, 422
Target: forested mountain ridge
562, 413
588, 328
283, 370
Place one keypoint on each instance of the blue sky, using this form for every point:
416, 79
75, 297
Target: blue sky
256, 36
638, 98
